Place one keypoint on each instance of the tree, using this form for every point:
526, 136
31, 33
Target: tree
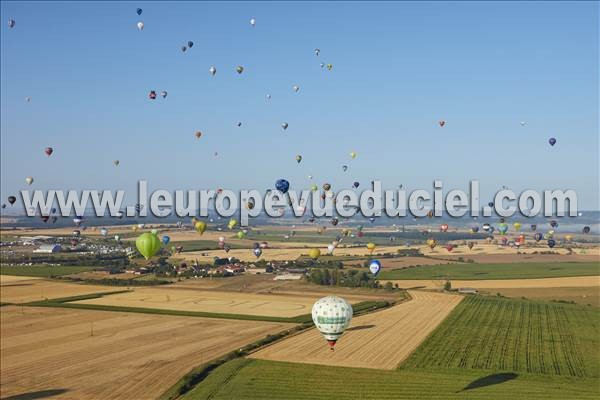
447, 286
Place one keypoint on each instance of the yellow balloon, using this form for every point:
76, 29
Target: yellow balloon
200, 227
352, 154
232, 223
517, 226
314, 253
568, 237
371, 246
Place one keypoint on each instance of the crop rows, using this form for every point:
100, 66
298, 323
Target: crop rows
503, 334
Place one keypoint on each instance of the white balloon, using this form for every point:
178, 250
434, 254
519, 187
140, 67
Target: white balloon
140, 26
331, 316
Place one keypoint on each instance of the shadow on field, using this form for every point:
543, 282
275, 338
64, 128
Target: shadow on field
40, 394
489, 380
358, 328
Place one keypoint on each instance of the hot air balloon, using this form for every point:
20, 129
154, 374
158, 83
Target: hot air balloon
442, 123
147, 244
253, 22
317, 51
284, 125
538, 236
475, 229
184, 48
166, 240
450, 247
353, 155
200, 227
11, 23
257, 252
282, 185
140, 26
551, 243
239, 69
502, 228
552, 141
491, 204
568, 238
298, 158
533, 227
444, 228
431, 243
344, 168
470, 245
329, 67
48, 151
29, 180
3, 205
163, 94
517, 226
331, 316
232, 223
314, 187
375, 267
314, 253
356, 184
198, 134
586, 229
139, 11
554, 224
212, 70
152, 95
295, 88
12, 199
238, 124
104, 231
326, 186
190, 44
268, 96
241, 235
371, 246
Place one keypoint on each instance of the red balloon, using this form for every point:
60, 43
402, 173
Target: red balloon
48, 151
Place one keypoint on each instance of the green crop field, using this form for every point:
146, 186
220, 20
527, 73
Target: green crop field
43, 271
515, 335
494, 271
243, 379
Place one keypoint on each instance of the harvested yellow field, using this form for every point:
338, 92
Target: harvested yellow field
21, 289
129, 356
380, 340
570, 281
272, 305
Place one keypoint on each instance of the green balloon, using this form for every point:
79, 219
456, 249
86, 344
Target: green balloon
148, 244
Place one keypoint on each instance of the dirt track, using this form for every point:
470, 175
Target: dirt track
380, 340
570, 281
129, 356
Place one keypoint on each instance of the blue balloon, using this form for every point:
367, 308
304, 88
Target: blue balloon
375, 267
552, 141
139, 11
282, 185
551, 243
166, 240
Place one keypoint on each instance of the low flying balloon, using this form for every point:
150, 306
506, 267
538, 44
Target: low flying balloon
200, 227
371, 247
166, 240
517, 226
552, 141
444, 227
470, 245
48, 151
104, 231
140, 26
239, 69
533, 227
257, 252
314, 253
29, 180
117, 238
284, 125
551, 243
241, 235
147, 244
586, 229
375, 267
282, 185
232, 223
538, 236
332, 315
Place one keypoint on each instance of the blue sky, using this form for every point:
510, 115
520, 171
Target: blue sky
398, 68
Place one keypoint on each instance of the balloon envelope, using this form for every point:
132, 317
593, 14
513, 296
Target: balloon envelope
147, 244
375, 267
331, 316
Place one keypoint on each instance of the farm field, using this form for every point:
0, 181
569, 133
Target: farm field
495, 271
214, 301
580, 295
44, 271
491, 284
247, 379
515, 335
20, 289
129, 356
379, 340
